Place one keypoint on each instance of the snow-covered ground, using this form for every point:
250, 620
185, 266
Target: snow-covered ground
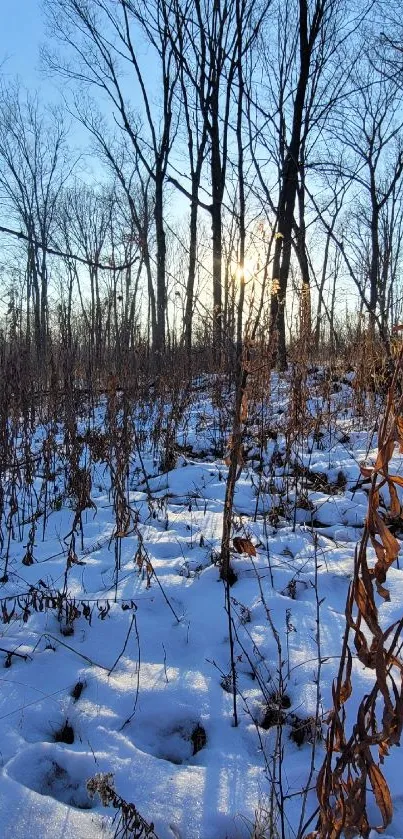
137, 681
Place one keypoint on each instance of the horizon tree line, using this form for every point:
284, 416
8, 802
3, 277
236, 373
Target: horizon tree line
250, 159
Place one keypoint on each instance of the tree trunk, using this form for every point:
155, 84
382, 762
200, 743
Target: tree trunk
289, 182
161, 264
216, 225
374, 263
191, 271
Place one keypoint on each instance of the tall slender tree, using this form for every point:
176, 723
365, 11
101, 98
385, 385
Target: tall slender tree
102, 39
33, 169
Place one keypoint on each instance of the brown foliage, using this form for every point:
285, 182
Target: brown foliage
349, 768
243, 546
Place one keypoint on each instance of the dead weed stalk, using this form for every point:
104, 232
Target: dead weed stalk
128, 822
350, 768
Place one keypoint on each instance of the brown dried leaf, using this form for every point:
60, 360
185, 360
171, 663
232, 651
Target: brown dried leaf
384, 455
380, 553
390, 544
363, 653
339, 738
375, 497
346, 688
396, 725
366, 605
355, 815
383, 592
323, 785
381, 793
395, 506
243, 546
383, 750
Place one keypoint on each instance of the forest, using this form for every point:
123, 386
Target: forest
201, 421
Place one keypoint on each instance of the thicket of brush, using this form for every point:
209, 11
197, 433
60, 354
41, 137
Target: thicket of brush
63, 414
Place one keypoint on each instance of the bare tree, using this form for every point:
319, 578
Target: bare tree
103, 36
209, 39
371, 127
33, 168
86, 216
307, 73
185, 39
367, 177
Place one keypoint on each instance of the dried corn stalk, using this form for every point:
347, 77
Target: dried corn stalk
352, 764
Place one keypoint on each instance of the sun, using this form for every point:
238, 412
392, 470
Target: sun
247, 271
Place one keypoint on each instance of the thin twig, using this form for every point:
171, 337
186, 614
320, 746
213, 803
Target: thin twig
124, 646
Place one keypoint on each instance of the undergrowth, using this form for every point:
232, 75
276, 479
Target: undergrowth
65, 441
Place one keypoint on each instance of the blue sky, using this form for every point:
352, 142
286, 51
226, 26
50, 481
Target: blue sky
21, 32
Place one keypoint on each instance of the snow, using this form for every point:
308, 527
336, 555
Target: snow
154, 662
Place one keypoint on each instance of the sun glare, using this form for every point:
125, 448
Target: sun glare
247, 271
